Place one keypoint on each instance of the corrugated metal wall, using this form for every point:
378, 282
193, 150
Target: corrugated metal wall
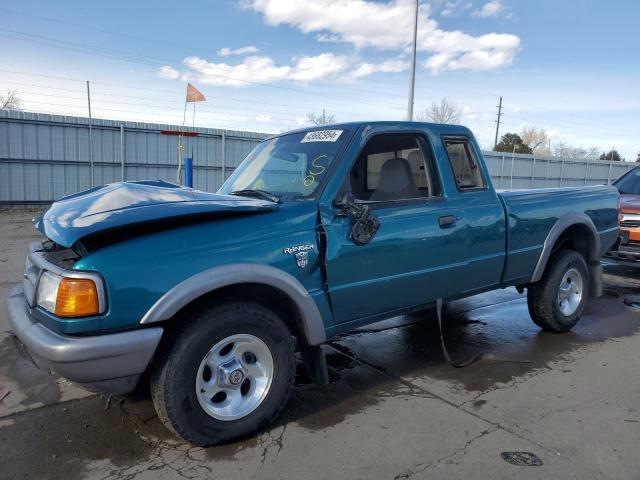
528, 171
43, 157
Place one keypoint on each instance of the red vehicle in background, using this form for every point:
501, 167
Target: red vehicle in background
628, 245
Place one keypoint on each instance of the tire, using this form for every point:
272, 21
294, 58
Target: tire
201, 420
547, 309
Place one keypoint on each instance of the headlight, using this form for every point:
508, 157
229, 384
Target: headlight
48, 291
68, 297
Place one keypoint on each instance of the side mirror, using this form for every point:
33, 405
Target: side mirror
345, 201
364, 223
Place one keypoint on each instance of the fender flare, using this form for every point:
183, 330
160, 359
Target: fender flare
562, 224
236, 273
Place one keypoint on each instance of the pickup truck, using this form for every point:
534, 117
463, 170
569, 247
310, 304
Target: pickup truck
628, 245
317, 232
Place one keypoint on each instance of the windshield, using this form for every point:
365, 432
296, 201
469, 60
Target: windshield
629, 183
289, 167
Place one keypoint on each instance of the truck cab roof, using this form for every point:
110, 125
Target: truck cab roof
397, 125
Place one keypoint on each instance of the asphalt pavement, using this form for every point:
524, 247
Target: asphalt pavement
563, 406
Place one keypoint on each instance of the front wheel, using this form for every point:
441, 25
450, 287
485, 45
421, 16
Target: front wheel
228, 373
556, 302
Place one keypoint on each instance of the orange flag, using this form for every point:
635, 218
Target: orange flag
194, 95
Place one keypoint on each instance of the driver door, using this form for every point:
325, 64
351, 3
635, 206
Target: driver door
418, 252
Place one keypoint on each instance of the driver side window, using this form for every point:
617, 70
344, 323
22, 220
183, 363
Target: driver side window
393, 167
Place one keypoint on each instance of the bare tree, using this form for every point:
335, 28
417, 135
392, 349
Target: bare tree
536, 139
322, 119
444, 111
562, 149
10, 101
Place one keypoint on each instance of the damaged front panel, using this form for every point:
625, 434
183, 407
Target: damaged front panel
119, 206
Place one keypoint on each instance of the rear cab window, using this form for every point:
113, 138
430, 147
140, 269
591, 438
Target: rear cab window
464, 164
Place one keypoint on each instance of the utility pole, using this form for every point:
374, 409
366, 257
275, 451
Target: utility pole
324, 117
412, 78
90, 135
495, 143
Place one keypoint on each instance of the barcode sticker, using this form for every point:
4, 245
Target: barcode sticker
322, 136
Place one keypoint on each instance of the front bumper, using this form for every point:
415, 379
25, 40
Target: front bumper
627, 247
106, 363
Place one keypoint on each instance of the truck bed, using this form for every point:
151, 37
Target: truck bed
531, 214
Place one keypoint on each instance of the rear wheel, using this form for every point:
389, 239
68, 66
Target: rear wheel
226, 374
557, 301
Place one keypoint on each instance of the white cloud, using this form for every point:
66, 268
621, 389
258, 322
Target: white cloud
260, 69
308, 69
490, 9
226, 51
387, 66
452, 8
251, 70
479, 60
469, 113
388, 26
263, 118
168, 73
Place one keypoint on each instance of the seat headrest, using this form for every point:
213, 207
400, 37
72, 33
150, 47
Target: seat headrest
396, 181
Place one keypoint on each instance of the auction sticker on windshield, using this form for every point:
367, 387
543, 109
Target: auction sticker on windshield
322, 136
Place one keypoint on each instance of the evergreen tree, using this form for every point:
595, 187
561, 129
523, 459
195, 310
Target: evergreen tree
612, 156
511, 140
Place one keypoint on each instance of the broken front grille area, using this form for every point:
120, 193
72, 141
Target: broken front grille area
42, 256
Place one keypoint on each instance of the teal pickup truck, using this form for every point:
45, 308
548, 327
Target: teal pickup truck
317, 232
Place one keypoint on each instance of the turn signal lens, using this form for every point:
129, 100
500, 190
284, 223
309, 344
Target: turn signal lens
77, 297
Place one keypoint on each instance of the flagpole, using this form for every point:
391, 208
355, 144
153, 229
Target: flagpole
180, 146
193, 127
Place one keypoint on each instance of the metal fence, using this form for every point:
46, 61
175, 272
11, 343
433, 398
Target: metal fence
509, 172
43, 157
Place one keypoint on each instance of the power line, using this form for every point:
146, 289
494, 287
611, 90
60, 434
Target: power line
97, 29
131, 58
181, 102
192, 47
546, 118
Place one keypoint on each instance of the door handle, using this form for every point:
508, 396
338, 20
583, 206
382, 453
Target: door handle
447, 221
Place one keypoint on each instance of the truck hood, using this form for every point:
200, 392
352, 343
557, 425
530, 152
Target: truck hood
629, 203
118, 205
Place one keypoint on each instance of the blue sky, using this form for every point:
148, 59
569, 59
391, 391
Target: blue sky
570, 67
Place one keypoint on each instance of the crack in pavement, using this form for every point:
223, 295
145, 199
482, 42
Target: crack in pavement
414, 390
420, 468
273, 441
428, 394
164, 455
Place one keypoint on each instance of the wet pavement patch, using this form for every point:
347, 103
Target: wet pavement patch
496, 325
58, 441
522, 459
632, 301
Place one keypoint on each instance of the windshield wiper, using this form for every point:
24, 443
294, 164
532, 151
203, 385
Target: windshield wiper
257, 193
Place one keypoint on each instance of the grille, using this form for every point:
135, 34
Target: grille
30, 280
630, 223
